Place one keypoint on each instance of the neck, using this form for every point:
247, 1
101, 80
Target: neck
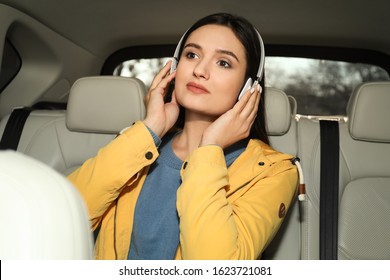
189, 139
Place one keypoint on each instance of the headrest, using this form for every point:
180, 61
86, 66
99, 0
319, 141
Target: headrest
278, 111
42, 215
105, 104
368, 112
293, 104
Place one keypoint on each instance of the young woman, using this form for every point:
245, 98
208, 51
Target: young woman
212, 188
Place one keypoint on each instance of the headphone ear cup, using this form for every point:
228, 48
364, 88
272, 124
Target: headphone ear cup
245, 88
173, 65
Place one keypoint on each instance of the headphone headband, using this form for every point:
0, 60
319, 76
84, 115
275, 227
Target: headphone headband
260, 71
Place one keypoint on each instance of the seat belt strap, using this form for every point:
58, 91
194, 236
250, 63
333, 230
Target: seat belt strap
329, 189
14, 127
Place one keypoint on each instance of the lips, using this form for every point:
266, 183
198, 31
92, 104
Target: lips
197, 88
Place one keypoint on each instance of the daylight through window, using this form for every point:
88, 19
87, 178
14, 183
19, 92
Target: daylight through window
321, 87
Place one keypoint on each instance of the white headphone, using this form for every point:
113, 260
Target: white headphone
248, 84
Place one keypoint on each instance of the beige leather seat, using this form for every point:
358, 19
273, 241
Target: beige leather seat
282, 131
364, 178
364, 210
98, 108
42, 215
309, 153
293, 105
281, 124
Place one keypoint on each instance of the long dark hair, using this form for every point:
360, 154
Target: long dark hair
248, 37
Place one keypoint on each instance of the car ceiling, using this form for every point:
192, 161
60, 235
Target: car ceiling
103, 27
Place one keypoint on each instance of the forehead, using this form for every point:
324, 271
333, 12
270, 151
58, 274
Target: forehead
215, 37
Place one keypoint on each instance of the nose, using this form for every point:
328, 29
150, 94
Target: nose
201, 69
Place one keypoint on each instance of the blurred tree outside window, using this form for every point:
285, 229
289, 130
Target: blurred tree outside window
321, 87
144, 69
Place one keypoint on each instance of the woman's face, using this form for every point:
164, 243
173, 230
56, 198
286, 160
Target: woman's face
211, 70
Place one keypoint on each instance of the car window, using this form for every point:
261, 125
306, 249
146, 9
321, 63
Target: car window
10, 65
321, 87
144, 69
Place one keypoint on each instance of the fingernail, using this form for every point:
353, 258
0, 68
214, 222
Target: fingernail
259, 88
252, 90
169, 60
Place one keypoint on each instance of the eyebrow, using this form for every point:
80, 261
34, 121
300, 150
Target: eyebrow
230, 53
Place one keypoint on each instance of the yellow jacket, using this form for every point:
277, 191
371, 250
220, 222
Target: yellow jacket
225, 213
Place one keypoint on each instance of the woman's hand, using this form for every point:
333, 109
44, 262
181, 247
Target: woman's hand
235, 124
160, 116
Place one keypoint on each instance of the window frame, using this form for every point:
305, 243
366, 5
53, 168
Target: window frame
9, 46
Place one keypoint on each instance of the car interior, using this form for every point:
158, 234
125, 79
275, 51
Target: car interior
71, 79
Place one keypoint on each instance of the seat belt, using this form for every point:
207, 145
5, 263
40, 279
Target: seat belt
14, 127
329, 189
17, 119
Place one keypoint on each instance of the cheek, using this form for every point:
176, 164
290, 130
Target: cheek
231, 90
180, 79
182, 70
229, 102
179, 89
226, 98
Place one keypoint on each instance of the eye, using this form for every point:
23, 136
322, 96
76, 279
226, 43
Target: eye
224, 64
191, 55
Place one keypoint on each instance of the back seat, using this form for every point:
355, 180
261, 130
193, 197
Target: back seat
99, 107
364, 210
282, 131
364, 177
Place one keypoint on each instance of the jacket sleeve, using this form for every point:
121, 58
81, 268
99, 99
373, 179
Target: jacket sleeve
101, 179
211, 226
